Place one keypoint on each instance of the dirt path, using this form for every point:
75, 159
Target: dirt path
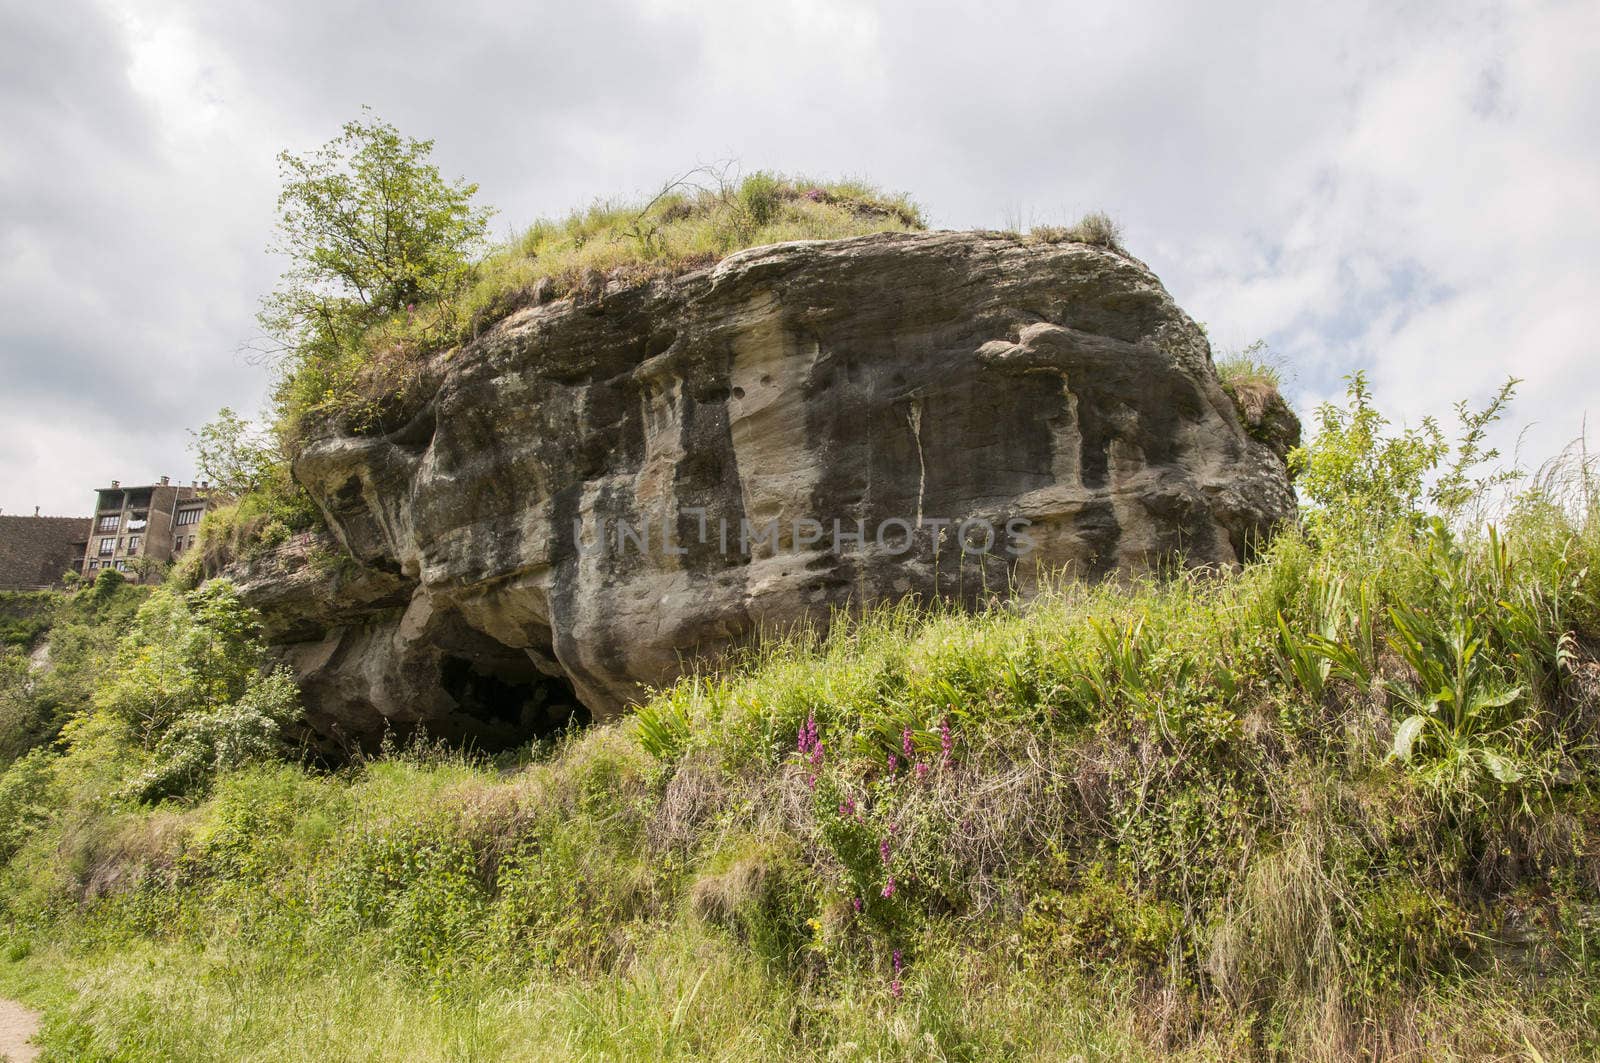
17, 1024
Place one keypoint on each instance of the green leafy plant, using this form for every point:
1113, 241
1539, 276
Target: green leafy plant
663, 728
190, 682
1467, 715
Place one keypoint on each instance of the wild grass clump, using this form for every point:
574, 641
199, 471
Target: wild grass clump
1096, 228
692, 222
1253, 379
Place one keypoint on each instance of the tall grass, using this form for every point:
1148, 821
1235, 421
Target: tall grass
691, 222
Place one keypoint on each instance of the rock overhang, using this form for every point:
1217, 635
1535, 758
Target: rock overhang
915, 378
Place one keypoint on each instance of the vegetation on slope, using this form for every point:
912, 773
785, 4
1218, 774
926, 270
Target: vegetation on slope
1338, 803
56, 651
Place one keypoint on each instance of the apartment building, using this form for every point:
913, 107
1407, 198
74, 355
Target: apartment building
157, 521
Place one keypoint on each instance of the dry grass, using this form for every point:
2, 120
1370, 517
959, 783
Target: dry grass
691, 223
1096, 228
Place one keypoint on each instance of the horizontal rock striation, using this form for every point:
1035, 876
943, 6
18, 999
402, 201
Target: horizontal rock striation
604, 490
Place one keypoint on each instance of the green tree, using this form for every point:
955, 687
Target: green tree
370, 227
236, 455
183, 653
1360, 482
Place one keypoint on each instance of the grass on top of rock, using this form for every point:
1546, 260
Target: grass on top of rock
363, 381
693, 222
1253, 379
1096, 228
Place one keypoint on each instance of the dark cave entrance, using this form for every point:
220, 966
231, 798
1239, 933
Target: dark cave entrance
502, 701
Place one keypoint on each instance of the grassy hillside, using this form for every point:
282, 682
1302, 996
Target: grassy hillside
54, 649
1339, 804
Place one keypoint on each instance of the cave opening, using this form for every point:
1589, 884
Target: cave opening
504, 701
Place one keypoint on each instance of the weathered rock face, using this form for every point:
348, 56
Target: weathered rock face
585, 504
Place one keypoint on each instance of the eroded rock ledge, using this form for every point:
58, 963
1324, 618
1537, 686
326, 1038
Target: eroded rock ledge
890, 378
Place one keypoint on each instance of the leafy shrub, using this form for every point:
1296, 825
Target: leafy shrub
201, 744
27, 797
1362, 485
35, 702
188, 682
1098, 920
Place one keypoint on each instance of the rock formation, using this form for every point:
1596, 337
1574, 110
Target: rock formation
589, 496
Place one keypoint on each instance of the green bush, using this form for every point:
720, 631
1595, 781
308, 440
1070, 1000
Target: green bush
27, 798
203, 743
38, 696
190, 683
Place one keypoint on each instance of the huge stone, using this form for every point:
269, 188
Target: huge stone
1053, 393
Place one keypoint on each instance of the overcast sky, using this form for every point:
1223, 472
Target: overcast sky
1413, 189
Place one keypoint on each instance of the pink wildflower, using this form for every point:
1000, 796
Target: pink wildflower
946, 743
921, 769
807, 739
855, 902
894, 763
906, 745
888, 887
895, 988
883, 850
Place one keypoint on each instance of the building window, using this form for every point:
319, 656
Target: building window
111, 523
133, 543
122, 566
94, 566
108, 547
189, 516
